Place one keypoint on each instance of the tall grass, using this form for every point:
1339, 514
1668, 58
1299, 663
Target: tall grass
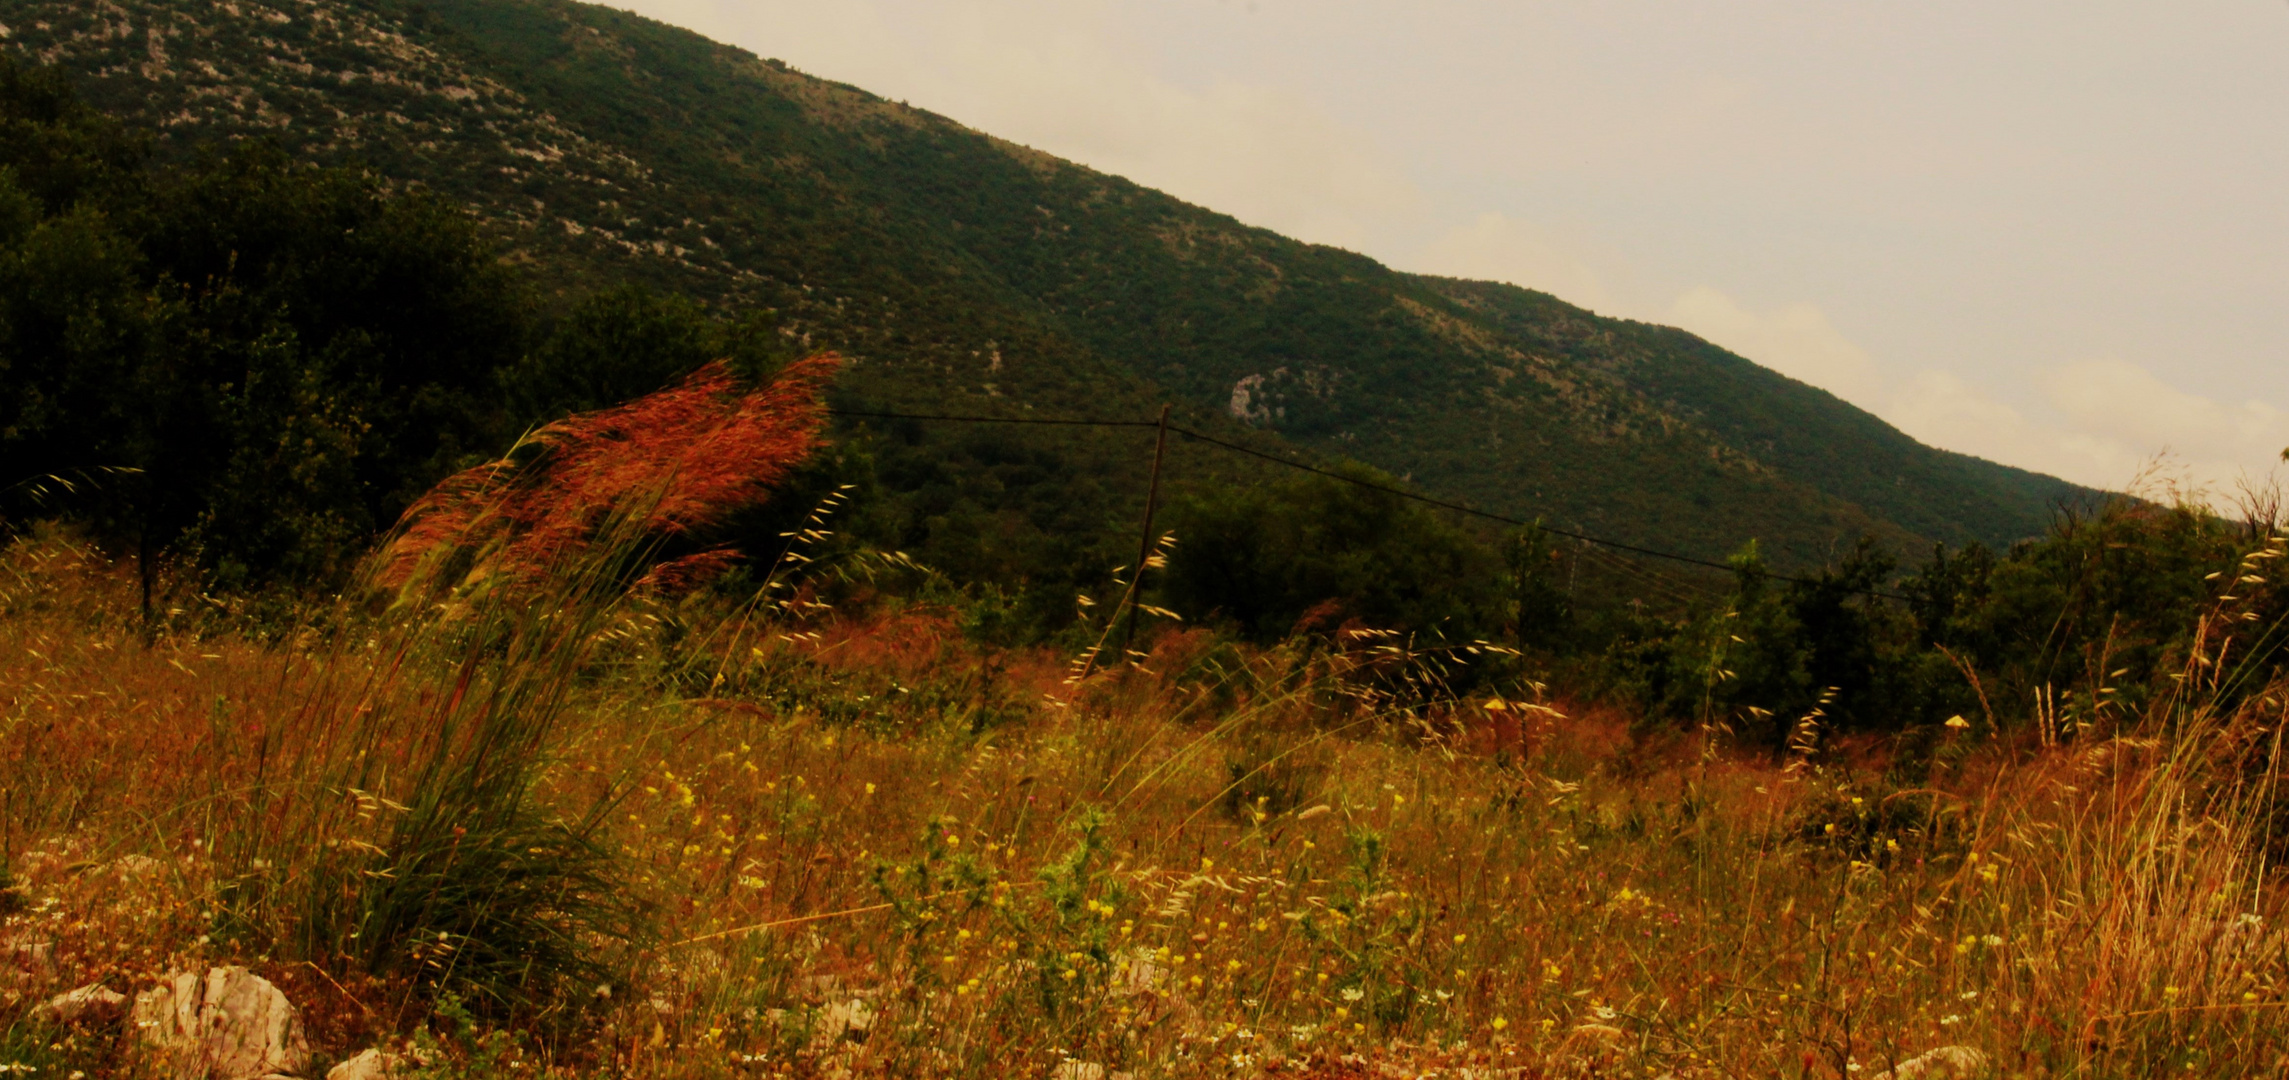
863, 843
444, 865
376, 802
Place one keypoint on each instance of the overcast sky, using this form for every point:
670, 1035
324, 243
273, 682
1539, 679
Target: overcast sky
2054, 234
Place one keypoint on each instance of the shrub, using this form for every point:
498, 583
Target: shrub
1315, 553
662, 468
274, 358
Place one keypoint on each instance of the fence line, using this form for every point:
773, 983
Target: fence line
1353, 480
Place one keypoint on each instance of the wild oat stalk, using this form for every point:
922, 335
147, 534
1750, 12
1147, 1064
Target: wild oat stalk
446, 864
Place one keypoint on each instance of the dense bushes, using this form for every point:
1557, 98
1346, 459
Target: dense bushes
1317, 552
2078, 628
627, 342
2075, 629
263, 363
281, 356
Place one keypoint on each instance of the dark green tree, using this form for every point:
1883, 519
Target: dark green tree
281, 357
629, 341
1316, 552
612, 347
1542, 614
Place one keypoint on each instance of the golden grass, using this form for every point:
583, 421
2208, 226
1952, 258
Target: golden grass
1217, 864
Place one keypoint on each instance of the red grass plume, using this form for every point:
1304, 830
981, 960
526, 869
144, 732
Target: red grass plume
661, 466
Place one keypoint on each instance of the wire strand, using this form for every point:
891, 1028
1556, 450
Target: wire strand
1353, 480
998, 419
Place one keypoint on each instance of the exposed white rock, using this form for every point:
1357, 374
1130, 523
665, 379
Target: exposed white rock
1142, 974
1944, 1063
230, 1025
94, 1001
136, 866
1085, 1070
370, 1065
846, 1020
1143, 979
29, 953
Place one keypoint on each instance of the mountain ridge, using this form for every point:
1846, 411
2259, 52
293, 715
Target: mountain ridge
967, 272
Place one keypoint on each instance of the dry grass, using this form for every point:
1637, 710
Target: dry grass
1223, 863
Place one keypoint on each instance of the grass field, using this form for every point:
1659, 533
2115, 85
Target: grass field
583, 834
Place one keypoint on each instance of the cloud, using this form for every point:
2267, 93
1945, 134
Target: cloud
2132, 402
2104, 423
1796, 340
1940, 408
1263, 156
2119, 410
1497, 247
1058, 75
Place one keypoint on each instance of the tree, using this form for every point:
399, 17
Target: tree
1316, 552
624, 343
1542, 614
283, 356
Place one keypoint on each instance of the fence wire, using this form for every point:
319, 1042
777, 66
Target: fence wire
1645, 574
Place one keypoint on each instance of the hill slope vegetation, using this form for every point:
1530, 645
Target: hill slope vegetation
969, 274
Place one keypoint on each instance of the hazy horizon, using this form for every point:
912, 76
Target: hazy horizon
2047, 235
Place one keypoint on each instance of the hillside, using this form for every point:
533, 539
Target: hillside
694, 738
964, 273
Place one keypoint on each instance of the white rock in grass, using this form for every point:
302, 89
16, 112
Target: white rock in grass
370, 1065
230, 1025
821, 985
1070, 1069
847, 1020
136, 866
94, 1001
29, 954
1944, 1063
1143, 975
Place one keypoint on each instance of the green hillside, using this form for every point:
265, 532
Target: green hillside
964, 273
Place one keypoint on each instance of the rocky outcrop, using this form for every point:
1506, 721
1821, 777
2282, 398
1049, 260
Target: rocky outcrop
229, 1025
370, 1065
1944, 1063
840, 1022
1070, 1069
92, 1003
